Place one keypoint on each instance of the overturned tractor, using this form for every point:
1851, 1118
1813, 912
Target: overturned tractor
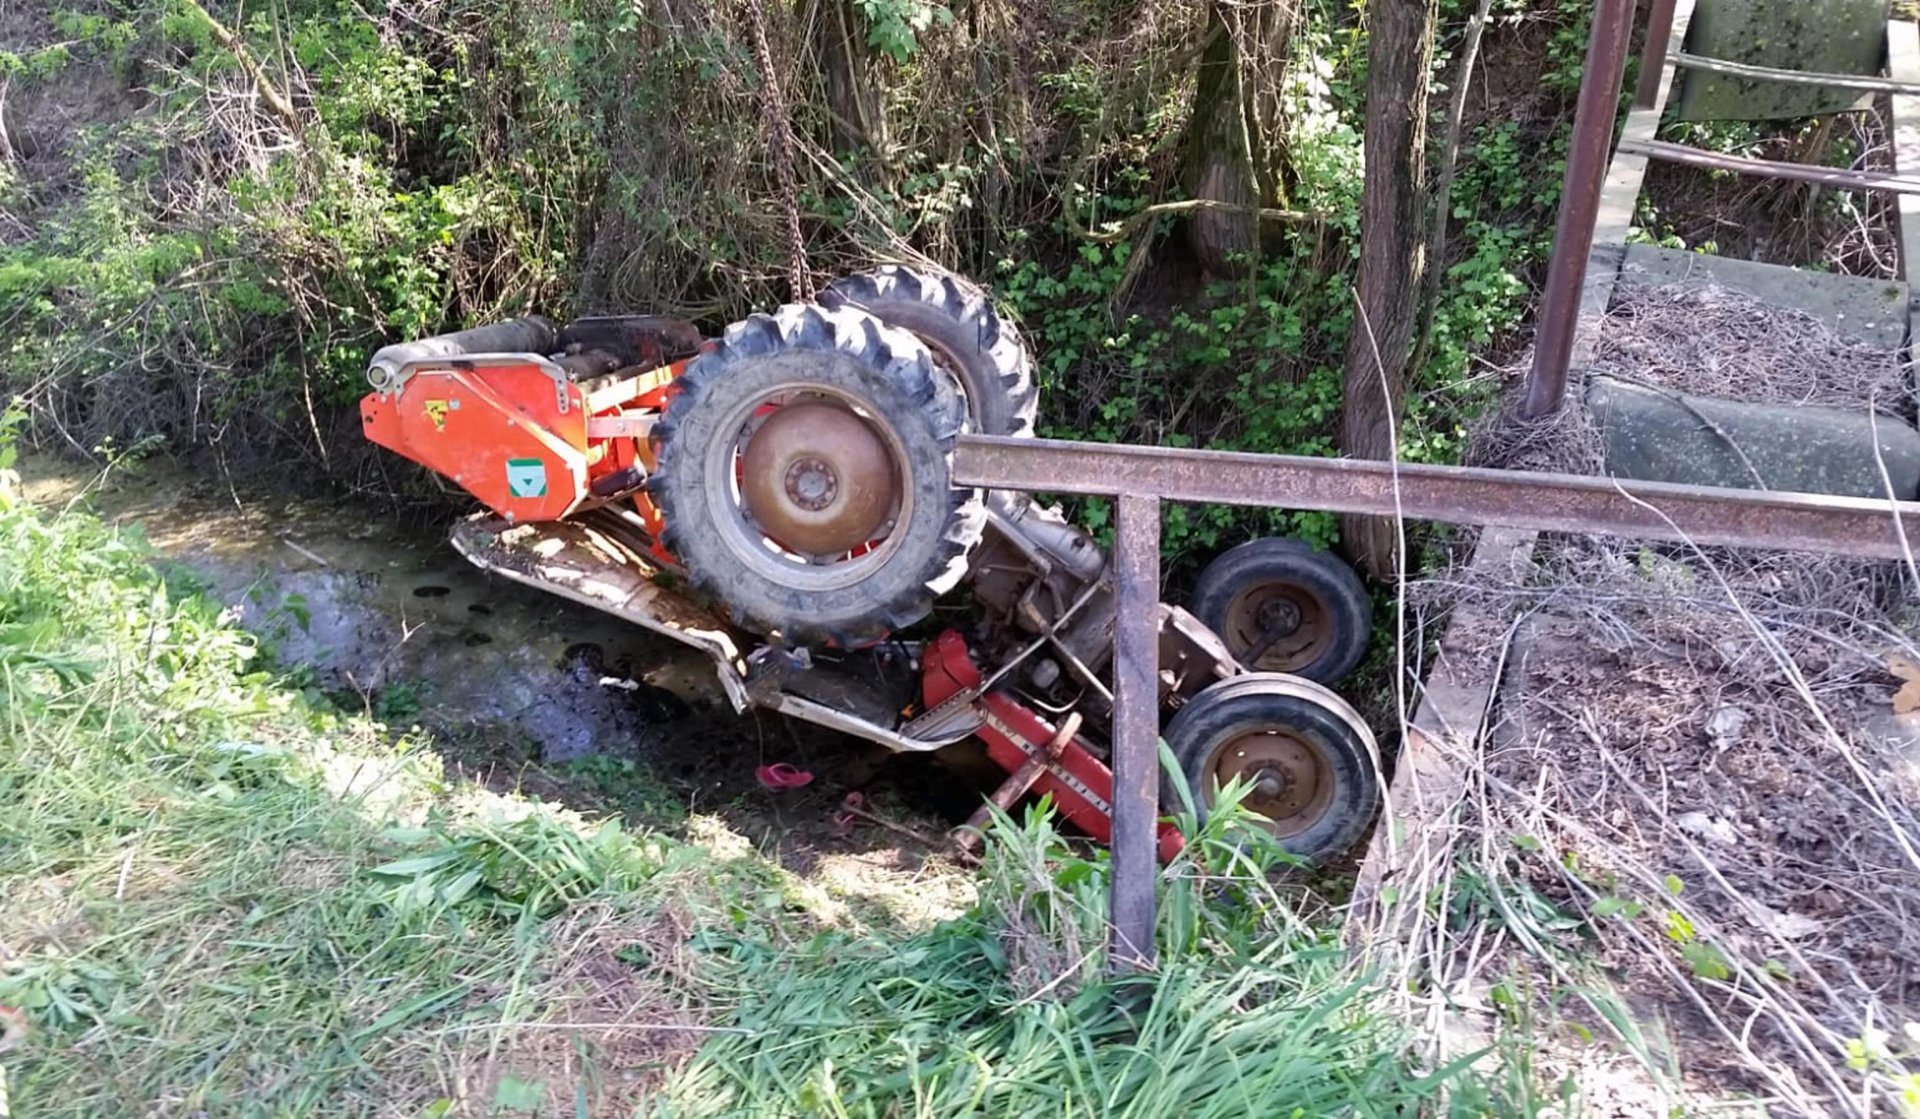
781, 497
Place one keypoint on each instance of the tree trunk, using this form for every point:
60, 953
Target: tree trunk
1219, 157
1232, 153
983, 123
1391, 253
846, 75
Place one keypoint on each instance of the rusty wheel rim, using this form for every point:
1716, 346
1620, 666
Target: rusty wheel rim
818, 479
810, 486
1290, 780
1277, 627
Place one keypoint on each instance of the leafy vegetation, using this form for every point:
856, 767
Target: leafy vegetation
228, 208
202, 270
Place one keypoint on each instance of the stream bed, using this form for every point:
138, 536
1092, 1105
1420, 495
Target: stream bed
389, 615
383, 615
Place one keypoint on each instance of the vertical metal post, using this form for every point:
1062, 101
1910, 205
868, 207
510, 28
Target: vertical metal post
1136, 730
1579, 206
1653, 57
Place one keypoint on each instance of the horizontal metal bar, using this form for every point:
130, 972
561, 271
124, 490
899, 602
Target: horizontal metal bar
1455, 494
1772, 168
1864, 83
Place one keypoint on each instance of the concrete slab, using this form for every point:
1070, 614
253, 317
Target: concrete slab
1824, 36
1657, 435
1866, 310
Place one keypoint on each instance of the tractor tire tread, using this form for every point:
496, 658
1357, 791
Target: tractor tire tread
958, 316
904, 386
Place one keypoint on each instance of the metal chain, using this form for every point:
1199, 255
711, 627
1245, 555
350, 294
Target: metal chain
780, 142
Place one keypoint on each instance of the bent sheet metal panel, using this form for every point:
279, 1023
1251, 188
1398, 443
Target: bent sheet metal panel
590, 562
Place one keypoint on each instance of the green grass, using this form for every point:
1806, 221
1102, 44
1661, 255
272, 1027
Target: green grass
1008, 1011
223, 901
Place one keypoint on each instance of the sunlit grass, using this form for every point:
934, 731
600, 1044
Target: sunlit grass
222, 901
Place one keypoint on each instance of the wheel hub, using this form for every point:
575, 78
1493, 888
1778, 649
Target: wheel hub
1277, 627
1279, 617
1270, 782
1289, 781
811, 483
817, 479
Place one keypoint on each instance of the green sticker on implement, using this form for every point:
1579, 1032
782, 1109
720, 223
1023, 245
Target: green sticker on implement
527, 477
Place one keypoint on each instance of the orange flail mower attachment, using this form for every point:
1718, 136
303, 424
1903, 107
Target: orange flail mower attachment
517, 433
511, 434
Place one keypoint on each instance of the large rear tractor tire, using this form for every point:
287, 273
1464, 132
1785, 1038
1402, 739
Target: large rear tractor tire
968, 338
1309, 758
805, 476
1281, 605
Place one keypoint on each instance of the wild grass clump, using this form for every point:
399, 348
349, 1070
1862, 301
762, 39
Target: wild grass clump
1011, 1010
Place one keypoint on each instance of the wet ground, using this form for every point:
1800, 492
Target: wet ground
520, 688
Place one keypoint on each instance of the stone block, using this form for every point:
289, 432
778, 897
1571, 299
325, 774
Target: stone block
1660, 436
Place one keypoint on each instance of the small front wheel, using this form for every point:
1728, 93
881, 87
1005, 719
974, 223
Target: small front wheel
1308, 759
1281, 605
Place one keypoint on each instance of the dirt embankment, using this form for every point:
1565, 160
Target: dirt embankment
1700, 798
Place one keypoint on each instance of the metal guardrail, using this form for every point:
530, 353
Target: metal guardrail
1842, 177
1586, 173
1456, 494
1653, 56
1859, 83
1587, 160
1143, 477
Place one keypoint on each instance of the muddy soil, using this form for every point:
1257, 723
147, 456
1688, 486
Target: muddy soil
525, 690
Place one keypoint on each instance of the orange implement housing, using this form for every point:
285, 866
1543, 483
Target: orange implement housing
520, 435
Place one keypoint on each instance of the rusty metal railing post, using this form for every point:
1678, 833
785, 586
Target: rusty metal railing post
1136, 730
1579, 205
1653, 57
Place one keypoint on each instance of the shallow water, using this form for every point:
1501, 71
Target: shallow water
385, 614
394, 617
